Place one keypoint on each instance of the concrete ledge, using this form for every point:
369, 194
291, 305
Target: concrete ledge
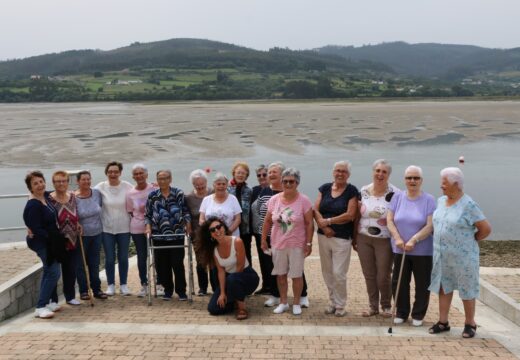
500, 302
20, 293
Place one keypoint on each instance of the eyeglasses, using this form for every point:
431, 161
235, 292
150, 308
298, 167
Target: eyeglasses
261, 175
288, 182
416, 178
60, 181
215, 228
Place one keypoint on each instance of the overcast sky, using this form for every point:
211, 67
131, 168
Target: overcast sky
35, 27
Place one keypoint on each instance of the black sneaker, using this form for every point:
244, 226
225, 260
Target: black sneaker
202, 293
183, 297
166, 297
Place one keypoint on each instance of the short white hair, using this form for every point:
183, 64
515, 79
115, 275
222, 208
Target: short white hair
383, 162
219, 176
198, 174
413, 168
140, 166
280, 165
453, 175
344, 163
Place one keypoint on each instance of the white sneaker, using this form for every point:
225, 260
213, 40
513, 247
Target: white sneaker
340, 312
272, 301
143, 292
111, 290
74, 302
43, 313
160, 290
416, 322
329, 310
281, 308
304, 302
296, 309
53, 307
398, 320
124, 290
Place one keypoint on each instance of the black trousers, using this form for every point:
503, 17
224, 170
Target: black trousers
238, 286
167, 260
421, 268
247, 239
269, 281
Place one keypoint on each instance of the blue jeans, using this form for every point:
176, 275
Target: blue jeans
51, 275
122, 241
92, 247
238, 286
141, 248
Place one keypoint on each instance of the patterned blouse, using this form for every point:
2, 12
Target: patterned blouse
68, 219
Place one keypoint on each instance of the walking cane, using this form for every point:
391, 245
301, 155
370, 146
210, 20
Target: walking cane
397, 292
90, 292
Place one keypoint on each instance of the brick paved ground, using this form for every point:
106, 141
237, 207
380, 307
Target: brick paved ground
99, 332
508, 284
15, 261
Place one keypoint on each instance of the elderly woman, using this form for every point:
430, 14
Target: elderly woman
135, 205
236, 277
68, 223
243, 193
45, 240
89, 203
116, 226
458, 225
274, 172
289, 218
372, 240
222, 205
167, 215
335, 211
263, 182
409, 219
199, 180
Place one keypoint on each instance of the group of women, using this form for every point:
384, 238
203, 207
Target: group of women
404, 230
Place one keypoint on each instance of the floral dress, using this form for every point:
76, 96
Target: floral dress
455, 250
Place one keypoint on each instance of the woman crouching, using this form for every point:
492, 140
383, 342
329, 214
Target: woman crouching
236, 277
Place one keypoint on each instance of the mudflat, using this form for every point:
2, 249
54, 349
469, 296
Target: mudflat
68, 134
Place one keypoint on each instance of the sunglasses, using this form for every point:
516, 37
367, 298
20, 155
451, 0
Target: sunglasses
261, 175
416, 178
288, 182
215, 228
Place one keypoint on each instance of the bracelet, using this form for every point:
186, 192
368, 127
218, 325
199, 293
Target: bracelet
309, 244
329, 221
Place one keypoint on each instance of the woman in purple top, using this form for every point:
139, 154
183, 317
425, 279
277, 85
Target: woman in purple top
409, 220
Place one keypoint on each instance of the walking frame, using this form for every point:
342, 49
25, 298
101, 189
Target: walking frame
150, 262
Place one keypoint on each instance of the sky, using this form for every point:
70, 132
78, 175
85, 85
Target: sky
36, 27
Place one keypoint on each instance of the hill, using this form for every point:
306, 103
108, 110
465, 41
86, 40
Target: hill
432, 60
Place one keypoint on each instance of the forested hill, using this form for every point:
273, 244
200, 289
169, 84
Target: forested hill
182, 54
432, 60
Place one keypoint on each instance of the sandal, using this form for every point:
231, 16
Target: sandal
439, 327
369, 313
387, 313
469, 331
242, 314
84, 296
101, 295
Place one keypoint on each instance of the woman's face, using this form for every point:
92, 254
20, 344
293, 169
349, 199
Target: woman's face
164, 180
240, 175
447, 187
217, 230
413, 180
220, 186
84, 182
200, 185
261, 175
61, 183
140, 176
381, 174
340, 174
274, 175
290, 185
113, 173
37, 185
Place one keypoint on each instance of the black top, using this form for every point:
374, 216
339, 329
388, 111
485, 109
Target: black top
41, 220
332, 207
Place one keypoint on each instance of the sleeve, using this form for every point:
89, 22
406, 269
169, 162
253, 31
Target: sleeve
271, 204
431, 205
306, 204
235, 206
148, 210
473, 213
129, 203
204, 204
184, 206
98, 199
33, 219
394, 202
323, 188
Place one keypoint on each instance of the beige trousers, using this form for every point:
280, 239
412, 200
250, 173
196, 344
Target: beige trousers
335, 260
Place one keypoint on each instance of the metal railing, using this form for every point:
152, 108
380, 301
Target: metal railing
13, 196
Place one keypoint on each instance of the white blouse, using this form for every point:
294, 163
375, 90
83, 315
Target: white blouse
115, 218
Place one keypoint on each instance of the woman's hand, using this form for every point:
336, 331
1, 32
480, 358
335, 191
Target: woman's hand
222, 300
399, 243
308, 250
323, 223
410, 245
328, 232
